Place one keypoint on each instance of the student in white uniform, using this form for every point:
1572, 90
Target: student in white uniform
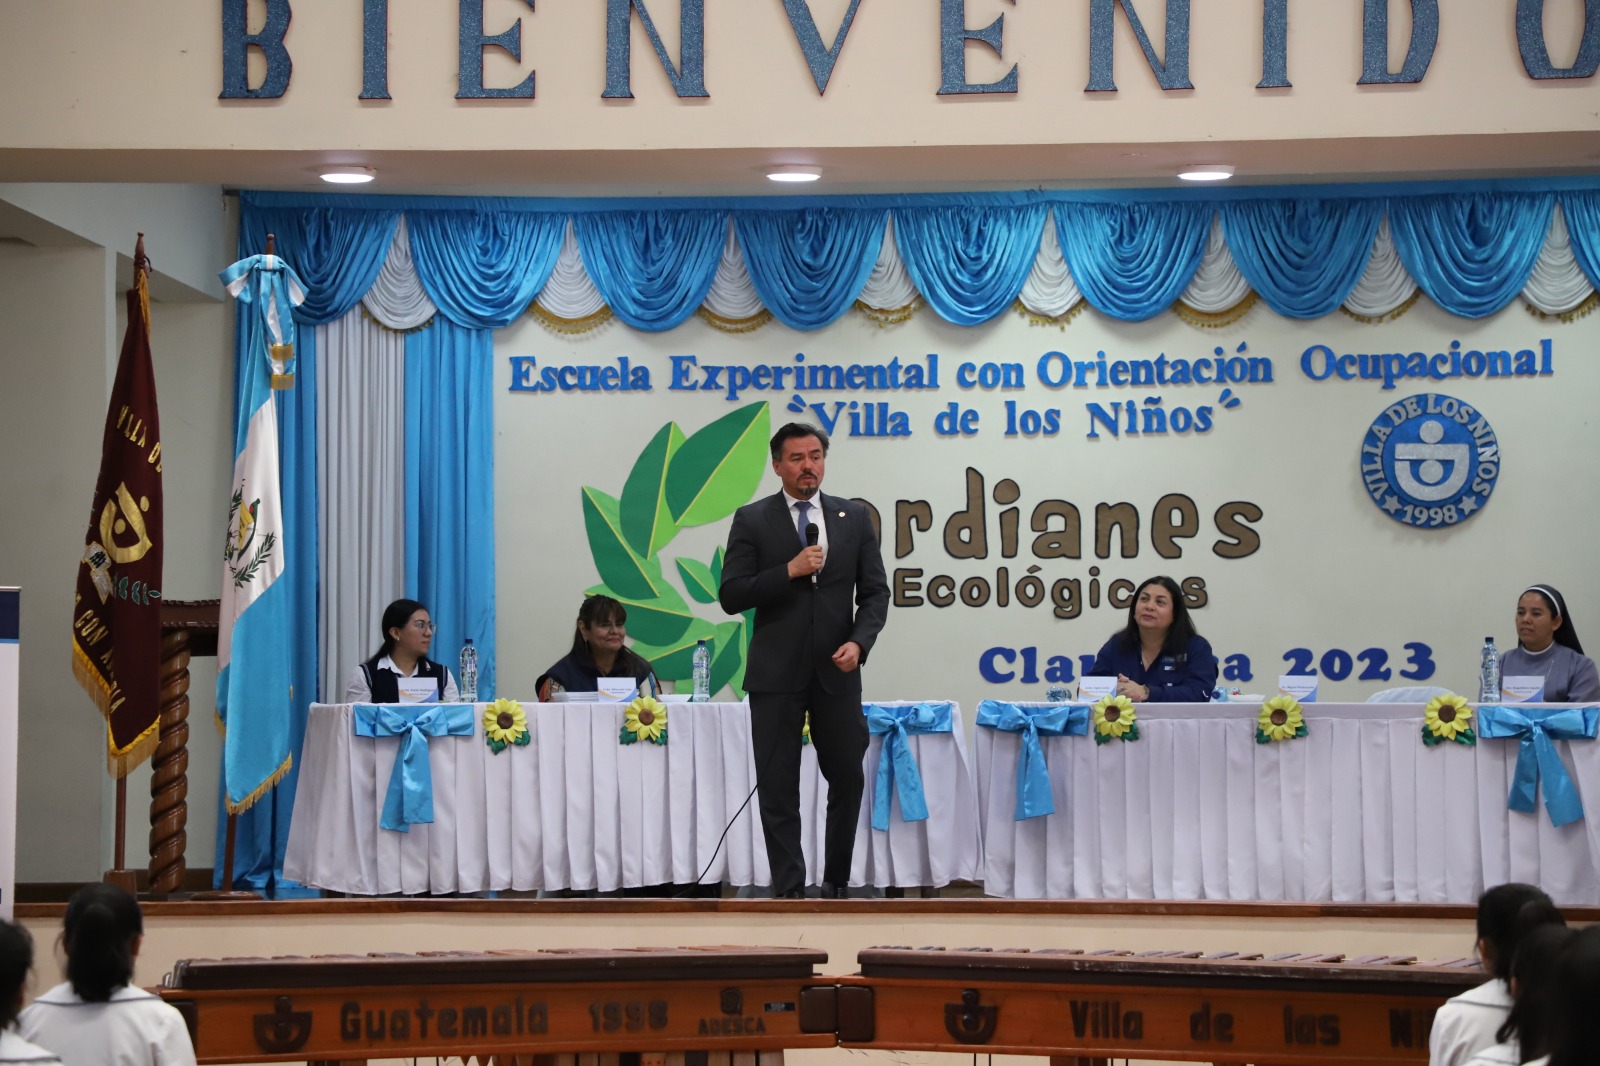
1574, 1035
16, 958
97, 1018
1525, 1034
1467, 1023
407, 632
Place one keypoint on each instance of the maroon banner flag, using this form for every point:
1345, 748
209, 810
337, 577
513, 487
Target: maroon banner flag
116, 614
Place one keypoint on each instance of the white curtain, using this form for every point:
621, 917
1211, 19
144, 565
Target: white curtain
733, 294
1050, 290
361, 471
396, 298
1217, 285
889, 286
1557, 284
569, 293
1385, 285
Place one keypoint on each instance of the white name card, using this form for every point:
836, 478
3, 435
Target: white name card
1302, 687
1521, 689
1091, 689
617, 689
418, 689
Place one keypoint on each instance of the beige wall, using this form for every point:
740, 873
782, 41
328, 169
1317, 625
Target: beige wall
63, 306
79, 74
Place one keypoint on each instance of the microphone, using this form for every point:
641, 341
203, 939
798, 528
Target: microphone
811, 542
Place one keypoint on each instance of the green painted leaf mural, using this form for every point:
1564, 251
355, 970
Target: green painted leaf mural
727, 656
717, 469
647, 524
629, 574
716, 565
698, 579
674, 660
659, 620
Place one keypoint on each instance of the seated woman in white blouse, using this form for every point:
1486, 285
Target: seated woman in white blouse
16, 959
407, 635
1548, 647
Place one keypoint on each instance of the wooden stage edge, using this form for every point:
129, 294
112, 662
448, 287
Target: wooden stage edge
961, 908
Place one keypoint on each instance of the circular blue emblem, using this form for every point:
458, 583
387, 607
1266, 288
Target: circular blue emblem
1430, 460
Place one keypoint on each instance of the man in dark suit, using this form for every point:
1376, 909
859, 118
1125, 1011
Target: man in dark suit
820, 600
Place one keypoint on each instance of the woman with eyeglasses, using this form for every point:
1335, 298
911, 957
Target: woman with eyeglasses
597, 651
407, 634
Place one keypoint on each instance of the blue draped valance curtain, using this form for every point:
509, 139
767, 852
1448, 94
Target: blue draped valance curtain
1131, 261
969, 262
653, 268
1302, 256
808, 266
1471, 252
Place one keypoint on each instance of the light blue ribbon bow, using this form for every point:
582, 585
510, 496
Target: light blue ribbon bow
1539, 728
1033, 773
270, 283
896, 764
409, 800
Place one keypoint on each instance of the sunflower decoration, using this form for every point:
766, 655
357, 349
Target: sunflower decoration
1115, 719
645, 719
1447, 717
805, 731
505, 724
1280, 719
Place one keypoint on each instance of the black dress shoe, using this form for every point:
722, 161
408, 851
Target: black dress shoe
793, 893
831, 891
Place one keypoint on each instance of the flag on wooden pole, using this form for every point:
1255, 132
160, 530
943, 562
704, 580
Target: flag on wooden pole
116, 613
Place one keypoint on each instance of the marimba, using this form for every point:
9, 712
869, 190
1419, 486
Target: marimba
1222, 1007
503, 1003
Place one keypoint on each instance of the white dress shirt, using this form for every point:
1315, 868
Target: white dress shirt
1466, 1024
133, 1028
357, 690
14, 1049
813, 515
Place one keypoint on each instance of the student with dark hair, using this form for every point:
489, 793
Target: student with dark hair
1525, 1032
98, 1018
407, 634
1548, 647
597, 651
1574, 1036
1468, 1023
1158, 656
16, 959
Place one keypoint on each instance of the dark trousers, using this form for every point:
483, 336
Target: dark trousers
839, 733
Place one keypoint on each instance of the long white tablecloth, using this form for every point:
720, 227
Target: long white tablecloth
1359, 810
576, 809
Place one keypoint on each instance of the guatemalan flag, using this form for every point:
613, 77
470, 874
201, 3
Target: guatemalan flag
254, 690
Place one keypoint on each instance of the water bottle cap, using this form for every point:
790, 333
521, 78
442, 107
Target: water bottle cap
701, 643
469, 640
1488, 640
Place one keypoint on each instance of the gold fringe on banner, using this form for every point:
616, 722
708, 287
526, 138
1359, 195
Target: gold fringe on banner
735, 325
118, 763
261, 789
890, 316
368, 315
1215, 319
1589, 303
1059, 321
569, 327
1373, 320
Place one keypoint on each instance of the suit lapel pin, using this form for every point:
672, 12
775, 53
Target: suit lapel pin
841, 514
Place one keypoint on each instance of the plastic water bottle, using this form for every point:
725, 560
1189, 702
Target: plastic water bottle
1489, 673
702, 673
469, 673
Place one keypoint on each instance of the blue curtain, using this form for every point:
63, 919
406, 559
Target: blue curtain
1302, 256
1132, 261
808, 266
1471, 252
483, 268
262, 833
653, 268
969, 263
1583, 227
450, 488
336, 251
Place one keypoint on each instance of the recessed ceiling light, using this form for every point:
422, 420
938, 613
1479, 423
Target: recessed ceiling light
346, 175
1206, 172
792, 172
